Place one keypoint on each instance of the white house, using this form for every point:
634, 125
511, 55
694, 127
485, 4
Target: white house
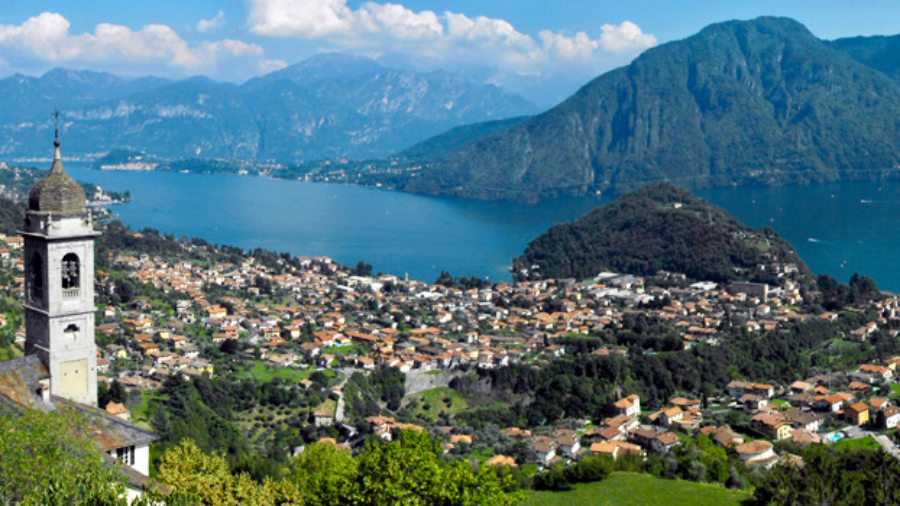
891, 417
757, 453
629, 406
545, 451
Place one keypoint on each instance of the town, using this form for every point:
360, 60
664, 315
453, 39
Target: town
312, 324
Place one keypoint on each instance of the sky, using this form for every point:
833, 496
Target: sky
541, 49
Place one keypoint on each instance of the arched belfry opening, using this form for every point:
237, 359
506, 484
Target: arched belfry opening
36, 277
71, 272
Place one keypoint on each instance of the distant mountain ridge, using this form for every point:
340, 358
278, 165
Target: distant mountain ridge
331, 105
742, 102
879, 52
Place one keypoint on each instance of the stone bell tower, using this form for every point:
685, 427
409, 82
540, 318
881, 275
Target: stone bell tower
59, 284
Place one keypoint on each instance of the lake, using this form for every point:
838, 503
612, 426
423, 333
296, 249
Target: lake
837, 228
396, 232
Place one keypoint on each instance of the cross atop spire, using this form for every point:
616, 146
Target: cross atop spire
56, 142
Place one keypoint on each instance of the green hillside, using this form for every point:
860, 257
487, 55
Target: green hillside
741, 102
655, 227
458, 137
626, 489
880, 52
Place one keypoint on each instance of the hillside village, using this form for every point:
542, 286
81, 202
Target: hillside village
311, 315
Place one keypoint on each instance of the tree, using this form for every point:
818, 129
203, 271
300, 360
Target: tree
125, 291
229, 346
206, 480
409, 471
323, 473
829, 477
48, 460
363, 269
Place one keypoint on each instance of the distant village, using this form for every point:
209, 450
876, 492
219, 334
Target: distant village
315, 315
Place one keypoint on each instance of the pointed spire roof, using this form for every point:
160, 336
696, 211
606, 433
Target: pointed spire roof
57, 192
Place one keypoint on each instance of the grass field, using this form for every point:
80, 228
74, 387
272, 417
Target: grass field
865, 443
329, 404
895, 390
139, 412
340, 350
434, 399
628, 489
265, 372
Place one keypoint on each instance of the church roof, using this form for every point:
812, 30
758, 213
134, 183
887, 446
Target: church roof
20, 382
20, 379
108, 431
57, 192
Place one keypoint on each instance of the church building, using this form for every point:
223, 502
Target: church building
60, 363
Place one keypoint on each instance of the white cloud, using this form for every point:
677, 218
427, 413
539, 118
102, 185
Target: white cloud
625, 37
452, 39
216, 22
46, 38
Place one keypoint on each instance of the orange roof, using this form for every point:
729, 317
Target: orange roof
859, 407
755, 446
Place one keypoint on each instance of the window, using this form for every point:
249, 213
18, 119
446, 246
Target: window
71, 331
125, 455
71, 274
36, 276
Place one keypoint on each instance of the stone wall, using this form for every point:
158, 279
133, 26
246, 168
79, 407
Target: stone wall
419, 381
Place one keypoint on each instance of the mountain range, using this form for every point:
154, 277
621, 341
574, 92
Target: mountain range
741, 102
331, 105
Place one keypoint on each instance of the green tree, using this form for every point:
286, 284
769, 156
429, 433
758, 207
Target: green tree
48, 460
206, 480
829, 477
324, 474
409, 471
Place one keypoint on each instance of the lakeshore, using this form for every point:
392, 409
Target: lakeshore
838, 228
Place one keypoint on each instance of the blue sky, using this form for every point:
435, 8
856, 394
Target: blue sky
539, 48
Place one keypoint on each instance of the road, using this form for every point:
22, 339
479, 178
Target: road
339, 409
888, 445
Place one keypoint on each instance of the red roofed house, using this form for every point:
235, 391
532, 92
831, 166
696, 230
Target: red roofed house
629, 406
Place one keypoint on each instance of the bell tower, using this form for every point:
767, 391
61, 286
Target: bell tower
59, 283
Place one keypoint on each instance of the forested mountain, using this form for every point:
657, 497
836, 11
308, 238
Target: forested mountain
741, 102
328, 106
458, 137
880, 52
655, 227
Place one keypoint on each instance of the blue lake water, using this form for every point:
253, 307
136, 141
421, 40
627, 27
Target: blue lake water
837, 228
395, 232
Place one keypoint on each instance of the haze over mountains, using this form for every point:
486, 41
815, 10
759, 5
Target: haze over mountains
328, 106
741, 102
